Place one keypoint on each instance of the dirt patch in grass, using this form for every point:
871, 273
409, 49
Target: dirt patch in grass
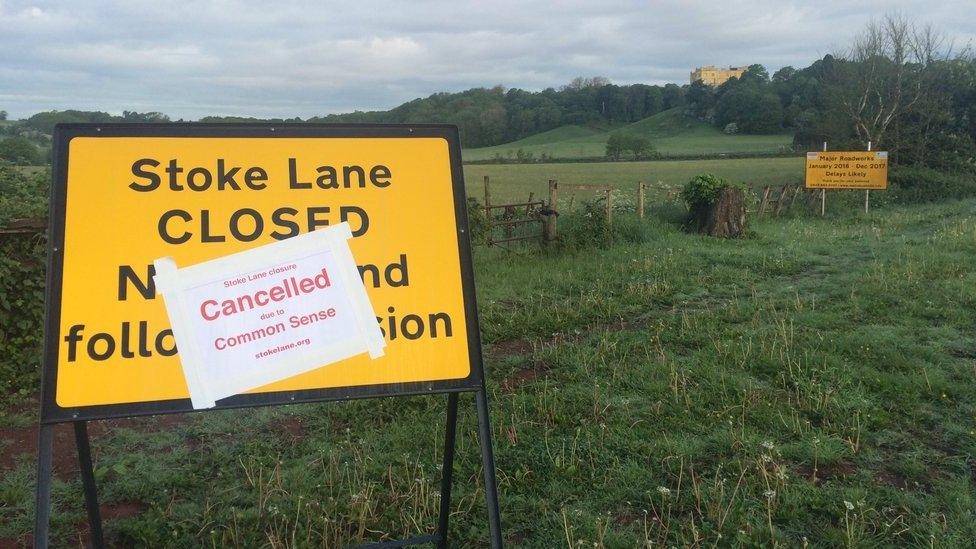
511, 348
291, 426
826, 472
511, 383
22, 441
922, 483
121, 510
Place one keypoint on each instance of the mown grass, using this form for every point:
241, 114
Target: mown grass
670, 132
813, 383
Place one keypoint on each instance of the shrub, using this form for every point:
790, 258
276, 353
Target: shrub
637, 145
585, 226
21, 195
912, 185
20, 151
703, 190
22, 267
477, 222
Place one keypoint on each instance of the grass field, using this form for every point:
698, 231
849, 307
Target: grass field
813, 383
511, 182
671, 132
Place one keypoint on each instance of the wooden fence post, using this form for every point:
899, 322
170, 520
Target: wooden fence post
609, 207
781, 200
764, 202
796, 192
640, 199
528, 205
550, 227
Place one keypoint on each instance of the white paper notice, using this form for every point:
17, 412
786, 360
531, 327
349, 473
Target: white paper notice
266, 314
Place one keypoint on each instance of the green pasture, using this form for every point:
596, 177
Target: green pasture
670, 132
514, 182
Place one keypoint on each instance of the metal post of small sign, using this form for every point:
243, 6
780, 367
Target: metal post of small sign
867, 192
823, 192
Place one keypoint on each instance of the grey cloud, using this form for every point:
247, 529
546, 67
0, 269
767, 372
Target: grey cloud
190, 59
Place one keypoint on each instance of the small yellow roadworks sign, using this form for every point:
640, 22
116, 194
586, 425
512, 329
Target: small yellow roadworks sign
847, 170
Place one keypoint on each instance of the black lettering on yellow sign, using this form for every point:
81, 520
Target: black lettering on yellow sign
212, 195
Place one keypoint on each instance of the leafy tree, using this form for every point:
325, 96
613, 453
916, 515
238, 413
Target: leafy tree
19, 151
673, 96
619, 143
750, 109
3, 115
132, 116
756, 73
700, 99
580, 82
638, 145
784, 74
45, 121
616, 145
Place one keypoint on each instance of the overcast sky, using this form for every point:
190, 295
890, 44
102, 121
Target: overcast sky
283, 59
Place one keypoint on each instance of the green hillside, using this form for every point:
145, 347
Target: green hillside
562, 133
671, 132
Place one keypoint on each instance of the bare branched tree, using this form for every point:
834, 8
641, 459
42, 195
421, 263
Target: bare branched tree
886, 73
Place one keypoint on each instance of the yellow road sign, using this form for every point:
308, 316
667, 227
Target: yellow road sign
127, 195
847, 170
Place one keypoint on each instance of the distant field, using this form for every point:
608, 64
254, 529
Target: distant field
515, 181
671, 132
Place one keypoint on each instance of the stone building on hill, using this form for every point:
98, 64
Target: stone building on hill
715, 76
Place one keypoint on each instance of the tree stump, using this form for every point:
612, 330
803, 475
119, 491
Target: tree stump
724, 218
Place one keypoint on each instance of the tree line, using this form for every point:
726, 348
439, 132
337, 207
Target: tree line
485, 116
899, 86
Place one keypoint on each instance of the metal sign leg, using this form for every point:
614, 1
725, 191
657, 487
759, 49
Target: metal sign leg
447, 471
88, 482
488, 459
45, 459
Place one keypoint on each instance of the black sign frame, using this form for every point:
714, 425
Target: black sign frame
52, 414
